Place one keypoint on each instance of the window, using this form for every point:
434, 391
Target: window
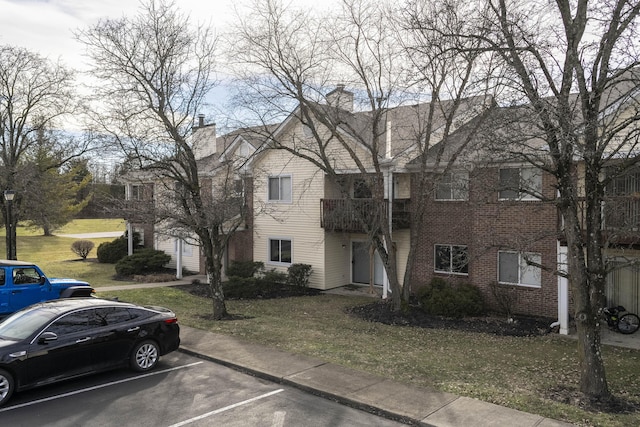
71, 323
26, 276
280, 251
515, 268
453, 186
109, 316
361, 189
520, 184
451, 259
238, 187
280, 189
137, 192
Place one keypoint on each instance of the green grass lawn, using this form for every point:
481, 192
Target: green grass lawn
54, 255
528, 374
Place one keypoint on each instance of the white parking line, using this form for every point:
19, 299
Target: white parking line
226, 408
71, 393
278, 418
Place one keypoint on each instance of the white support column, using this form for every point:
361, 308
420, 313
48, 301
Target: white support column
388, 176
563, 290
179, 259
129, 238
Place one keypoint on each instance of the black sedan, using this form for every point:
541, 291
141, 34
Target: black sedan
66, 338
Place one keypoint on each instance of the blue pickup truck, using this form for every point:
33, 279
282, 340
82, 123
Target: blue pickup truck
23, 284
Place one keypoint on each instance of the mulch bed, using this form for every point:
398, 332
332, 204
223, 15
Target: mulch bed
382, 312
262, 292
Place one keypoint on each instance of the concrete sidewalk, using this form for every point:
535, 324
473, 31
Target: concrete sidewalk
412, 405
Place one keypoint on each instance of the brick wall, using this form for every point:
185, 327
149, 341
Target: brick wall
487, 225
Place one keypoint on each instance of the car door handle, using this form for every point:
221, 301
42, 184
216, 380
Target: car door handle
83, 340
133, 329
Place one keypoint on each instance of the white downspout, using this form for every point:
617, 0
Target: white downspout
129, 225
563, 291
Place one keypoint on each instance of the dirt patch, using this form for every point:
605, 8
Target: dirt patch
574, 397
521, 326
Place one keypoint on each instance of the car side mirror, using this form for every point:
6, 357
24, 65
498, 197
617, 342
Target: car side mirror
46, 337
42, 280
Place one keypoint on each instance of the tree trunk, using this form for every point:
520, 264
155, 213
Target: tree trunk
213, 264
593, 381
585, 285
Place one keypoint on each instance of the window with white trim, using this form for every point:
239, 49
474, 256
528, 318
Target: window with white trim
453, 186
520, 184
280, 251
519, 268
451, 259
280, 188
136, 192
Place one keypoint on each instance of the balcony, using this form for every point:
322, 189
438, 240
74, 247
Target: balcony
350, 215
622, 213
620, 219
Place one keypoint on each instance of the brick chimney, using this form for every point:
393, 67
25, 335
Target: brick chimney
340, 98
203, 138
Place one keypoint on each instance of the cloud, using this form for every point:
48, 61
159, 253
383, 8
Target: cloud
47, 26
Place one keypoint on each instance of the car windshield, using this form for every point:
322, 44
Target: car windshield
22, 324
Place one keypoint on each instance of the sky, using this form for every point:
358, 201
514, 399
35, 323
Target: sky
46, 26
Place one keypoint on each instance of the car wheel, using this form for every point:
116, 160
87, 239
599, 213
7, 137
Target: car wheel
145, 356
6, 386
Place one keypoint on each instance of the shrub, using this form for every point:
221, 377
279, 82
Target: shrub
299, 275
274, 276
244, 268
504, 296
113, 251
82, 248
444, 299
144, 261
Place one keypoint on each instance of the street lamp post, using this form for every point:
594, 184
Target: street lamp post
11, 231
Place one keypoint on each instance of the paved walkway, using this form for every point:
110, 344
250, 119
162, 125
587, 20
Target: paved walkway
413, 405
93, 235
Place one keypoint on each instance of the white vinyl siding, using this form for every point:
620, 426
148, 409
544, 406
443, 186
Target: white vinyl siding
190, 254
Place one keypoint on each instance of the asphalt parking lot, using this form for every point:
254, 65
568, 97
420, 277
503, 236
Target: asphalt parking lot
181, 391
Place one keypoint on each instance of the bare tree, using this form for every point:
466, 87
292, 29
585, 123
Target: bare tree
36, 96
574, 63
288, 58
155, 71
